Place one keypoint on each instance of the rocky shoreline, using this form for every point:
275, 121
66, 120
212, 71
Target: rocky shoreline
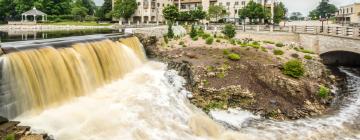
254, 83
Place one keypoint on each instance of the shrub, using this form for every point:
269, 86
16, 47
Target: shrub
278, 52
226, 52
193, 32
269, 42
279, 45
295, 55
205, 36
170, 33
308, 57
234, 56
254, 46
10, 137
209, 40
264, 49
293, 68
181, 43
200, 32
323, 92
184, 46
166, 39
307, 51
232, 41
255, 43
218, 40
229, 31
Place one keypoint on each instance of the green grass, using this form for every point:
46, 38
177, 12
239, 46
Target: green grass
78, 23
234, 56
323, 92
269, 42
308, 57
226, 52
279, 45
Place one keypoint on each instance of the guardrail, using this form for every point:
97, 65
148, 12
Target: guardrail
339, 31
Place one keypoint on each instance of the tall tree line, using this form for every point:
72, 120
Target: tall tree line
12, 9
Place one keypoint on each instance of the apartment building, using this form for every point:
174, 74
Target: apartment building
151, 10
349, 14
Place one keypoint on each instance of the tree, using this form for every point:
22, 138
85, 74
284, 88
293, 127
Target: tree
198, 13
229, 31
124, 8
54, 7
296, 16
79, 12
7, 10
104, 13
323, 10
252, 11
216, 11
171, 13
314, 15
279, 12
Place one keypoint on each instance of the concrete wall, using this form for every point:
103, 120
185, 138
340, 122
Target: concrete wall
270, 36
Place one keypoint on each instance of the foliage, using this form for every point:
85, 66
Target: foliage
170, 33
193, 32
226, 52
124, 8
269, 42
104, 13
295, 55
79, 12
195, 38
279, 12
296, 16
324, 10
229, 31
314, 15
279, 44
166, 39
198, 13
10, 137
323, 92
233, 56
252, 11
293, 68
171, 13
209, 40
205, 36
181, 43
218, 40
214, 105
308, 57
216, 11
278, 52
232, 41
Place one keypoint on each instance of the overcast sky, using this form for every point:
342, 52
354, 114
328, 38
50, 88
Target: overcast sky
303, 6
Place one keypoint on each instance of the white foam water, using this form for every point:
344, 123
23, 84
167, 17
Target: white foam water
151, 103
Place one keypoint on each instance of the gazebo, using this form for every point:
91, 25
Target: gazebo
33, 12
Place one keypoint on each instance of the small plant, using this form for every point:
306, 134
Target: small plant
293, 68
200, 32
269, 42
205, 35
214, 105
209, 40
255, 43
170, 33
220, 75
307, 51
308, 57
226, 52
278, 52
10, 137
229, 31
181, 43
184, 46
234, 56
195, 38
279, 45
166, 39
295, 55
323, 92
232, 41
218, 40
264, 49
193, 32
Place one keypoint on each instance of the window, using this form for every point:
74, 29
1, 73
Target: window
347, 10
139, 3
237, 3
220, 3
228, 4
236, 11
352, 10
158, 4
243, 3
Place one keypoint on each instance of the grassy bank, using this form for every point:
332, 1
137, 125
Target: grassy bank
78, 23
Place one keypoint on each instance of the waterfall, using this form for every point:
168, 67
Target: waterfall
39, 78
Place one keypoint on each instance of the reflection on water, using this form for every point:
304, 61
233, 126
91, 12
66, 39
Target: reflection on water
11, 36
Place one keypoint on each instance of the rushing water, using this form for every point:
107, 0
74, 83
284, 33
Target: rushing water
147, 101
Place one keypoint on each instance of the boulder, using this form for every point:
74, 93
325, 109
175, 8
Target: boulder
3, 120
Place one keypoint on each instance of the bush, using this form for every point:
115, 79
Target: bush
181, 43
264, 49
308, 57
278, 52
195, 38
254, 46
279, 45
226, 52
295, 55
255, 43
323, 92
229, 31
209, 40
218, 40
234, 56
193, 32
232, 41
170, 33
293, 68
200, 31
205, 35
269, 42
166, 39
307, 51
10, 137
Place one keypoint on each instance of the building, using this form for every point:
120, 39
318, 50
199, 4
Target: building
150, 11
349, 14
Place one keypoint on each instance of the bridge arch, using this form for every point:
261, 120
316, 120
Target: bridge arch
341, 57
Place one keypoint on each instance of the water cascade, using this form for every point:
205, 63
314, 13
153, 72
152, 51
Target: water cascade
38, 78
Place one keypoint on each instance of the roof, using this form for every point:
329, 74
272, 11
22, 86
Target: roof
34, 11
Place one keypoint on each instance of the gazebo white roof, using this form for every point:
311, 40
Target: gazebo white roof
34, 11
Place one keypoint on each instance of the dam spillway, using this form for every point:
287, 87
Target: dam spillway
44, 75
